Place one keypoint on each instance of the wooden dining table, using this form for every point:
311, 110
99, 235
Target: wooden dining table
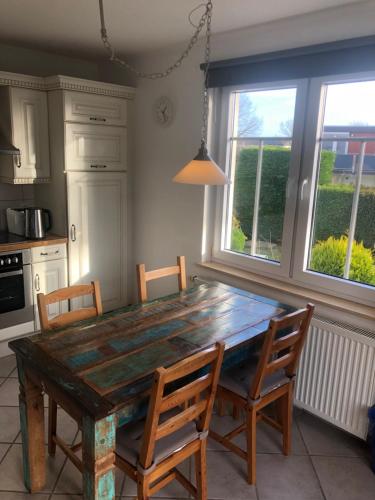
100, 370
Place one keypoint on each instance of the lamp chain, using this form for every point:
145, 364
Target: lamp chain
205, 20
209, 7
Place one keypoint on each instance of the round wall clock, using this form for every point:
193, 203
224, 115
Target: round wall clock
163, 111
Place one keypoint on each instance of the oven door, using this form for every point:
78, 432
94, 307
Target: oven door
16, 305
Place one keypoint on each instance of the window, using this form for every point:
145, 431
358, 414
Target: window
301, 203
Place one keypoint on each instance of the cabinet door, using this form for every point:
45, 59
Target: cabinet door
90, 108
30, 133
97, 244
48, 277
95, 147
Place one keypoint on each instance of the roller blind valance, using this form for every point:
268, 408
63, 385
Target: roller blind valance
340, 57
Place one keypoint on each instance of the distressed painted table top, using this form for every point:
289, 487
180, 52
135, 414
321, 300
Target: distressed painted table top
106, 363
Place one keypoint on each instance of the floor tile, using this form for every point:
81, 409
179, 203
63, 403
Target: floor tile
269, 440
226, 477
342, 477
322, 438
286, 478
9, 391
7, 365
2, 380
3, 449
172, 491
9, 424
11, 470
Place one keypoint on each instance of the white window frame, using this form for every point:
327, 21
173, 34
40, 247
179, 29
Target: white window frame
301, 186
309, 171
225, 150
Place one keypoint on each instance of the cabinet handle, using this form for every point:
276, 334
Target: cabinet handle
73, 233
97, 119
19, 163
98, 166
37, 283
43, 254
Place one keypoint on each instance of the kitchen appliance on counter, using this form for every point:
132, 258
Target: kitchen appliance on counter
16, 300
33, 223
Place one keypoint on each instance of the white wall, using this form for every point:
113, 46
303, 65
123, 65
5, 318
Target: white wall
168, 217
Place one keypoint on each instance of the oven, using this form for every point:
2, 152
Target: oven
16, 299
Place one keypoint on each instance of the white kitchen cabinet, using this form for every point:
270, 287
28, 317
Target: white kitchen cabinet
97, 226
94, 109
47, 277
95, 147
24, 123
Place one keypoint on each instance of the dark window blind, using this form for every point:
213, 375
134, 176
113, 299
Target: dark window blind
345, 56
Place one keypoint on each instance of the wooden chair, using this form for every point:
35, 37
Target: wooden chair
59, 321
143, 277
252, 387
148, 452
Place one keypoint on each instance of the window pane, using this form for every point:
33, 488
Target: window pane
260, 170
343, 236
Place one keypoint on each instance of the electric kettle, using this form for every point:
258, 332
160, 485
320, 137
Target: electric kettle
37, 222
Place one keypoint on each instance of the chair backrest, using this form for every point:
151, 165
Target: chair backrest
201, 388
282, 352
144, 276
68, 293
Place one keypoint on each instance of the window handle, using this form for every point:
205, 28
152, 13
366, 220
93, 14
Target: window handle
303, 185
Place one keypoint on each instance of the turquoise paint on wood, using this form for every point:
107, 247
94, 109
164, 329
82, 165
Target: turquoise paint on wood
98, 444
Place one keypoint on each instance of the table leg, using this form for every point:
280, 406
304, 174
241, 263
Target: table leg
32, 430
98, 446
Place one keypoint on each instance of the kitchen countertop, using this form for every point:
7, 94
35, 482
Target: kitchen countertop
14, 242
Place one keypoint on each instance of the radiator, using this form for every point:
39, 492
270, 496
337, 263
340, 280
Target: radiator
336, 375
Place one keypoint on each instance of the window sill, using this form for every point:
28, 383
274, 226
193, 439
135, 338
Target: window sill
337, 303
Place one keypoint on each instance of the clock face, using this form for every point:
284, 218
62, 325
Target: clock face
163, 111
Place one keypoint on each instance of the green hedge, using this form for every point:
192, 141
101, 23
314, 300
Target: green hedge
275, 168
334, 202
333, 211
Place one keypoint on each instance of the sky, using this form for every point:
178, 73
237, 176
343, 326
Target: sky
345, 103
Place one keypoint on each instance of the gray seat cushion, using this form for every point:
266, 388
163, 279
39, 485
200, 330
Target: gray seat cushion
239, 379
130, 437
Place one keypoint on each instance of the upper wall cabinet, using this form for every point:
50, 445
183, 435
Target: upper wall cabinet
95, 148
24, 122
91, 108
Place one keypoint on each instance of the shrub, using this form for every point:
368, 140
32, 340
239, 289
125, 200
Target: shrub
328, 257
275, 169
327, 162
238, 238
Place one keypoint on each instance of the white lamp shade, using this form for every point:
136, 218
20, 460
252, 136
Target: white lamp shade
202, 170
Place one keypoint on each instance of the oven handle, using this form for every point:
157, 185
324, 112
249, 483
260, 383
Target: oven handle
11, 273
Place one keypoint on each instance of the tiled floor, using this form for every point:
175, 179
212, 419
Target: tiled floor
325, 463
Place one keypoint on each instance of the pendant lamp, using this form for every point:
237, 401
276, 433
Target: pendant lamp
202, 170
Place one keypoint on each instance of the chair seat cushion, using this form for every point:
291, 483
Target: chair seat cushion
129, 440
240, 378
